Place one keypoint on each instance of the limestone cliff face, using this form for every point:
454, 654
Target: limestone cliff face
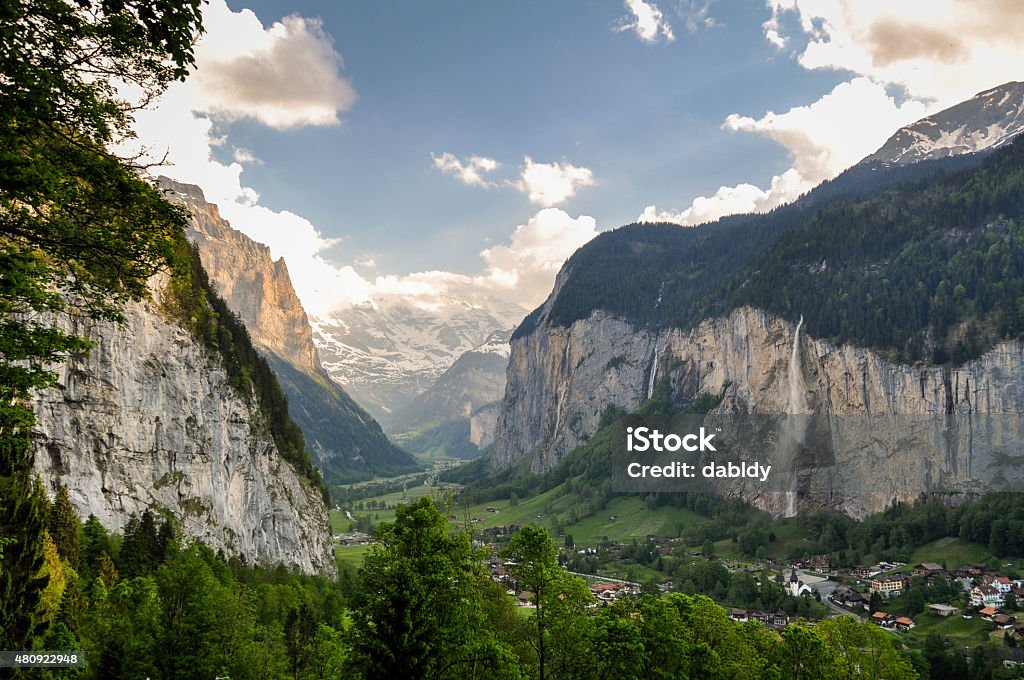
148, 419
346, 442
894, 428
255, 286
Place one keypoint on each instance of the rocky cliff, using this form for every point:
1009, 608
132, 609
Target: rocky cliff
149, 419
893, 430
345, 440
255, 286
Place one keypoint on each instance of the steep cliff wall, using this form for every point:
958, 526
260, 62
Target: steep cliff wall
149, 419
345, 440
922, 418
255, 286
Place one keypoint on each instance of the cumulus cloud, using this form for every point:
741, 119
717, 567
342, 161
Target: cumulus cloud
937, 55
822, 139
284, 76
647, 21
181, 131
550, 184
524, 269
470, 171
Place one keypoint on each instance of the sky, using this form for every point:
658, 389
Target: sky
431, 152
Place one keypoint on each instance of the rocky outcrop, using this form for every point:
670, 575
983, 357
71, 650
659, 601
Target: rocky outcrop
456, 413
893, 429
346, 442
149, 419
256, 287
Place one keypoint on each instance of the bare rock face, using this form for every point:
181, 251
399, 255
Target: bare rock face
148, 419
257, 288
893, 430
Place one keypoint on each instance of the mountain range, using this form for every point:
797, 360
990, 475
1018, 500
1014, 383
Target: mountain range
905, 277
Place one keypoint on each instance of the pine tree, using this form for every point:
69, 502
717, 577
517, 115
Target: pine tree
22, 521
95, 542
65, 527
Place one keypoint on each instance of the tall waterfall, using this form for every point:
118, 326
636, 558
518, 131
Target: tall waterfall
651, 381
796, 421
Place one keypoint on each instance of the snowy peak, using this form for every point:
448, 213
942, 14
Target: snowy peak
986, 121
496, 343
388, 352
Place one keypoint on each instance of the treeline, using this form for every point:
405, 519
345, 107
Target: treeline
994, 520
424, 605
933, 270
930, 270
145, 604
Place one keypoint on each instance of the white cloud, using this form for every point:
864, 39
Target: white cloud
470, 171
942, 52
284, 76
696, 15
524, 269
646, 21
549, 184
245, 156
935, 58
181, 130
822, 139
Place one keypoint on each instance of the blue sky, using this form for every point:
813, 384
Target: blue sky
339, 113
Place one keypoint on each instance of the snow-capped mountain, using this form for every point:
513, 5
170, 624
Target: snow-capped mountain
456, 416
986, 121
387, 352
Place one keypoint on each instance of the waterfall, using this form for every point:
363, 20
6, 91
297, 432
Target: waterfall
796, 423
797, 389
654, 372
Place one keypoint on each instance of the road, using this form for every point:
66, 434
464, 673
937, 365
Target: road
825, 589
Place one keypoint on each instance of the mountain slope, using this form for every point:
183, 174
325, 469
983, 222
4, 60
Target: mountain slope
930, 271
441, 419
987, 121
347, 443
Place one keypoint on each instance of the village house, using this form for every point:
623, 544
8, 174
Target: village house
988, 612
942, 609
848, 597
889, 585
883, 619
1004, 621
1001, 583
861, 572
904, 623
986, 596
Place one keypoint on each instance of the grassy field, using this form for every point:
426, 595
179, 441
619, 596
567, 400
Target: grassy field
352, 554
960, 631
955, 552
554, 509
340, 523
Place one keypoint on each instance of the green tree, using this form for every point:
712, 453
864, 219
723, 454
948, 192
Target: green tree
805, 655
419, 611
864, 650
557, 595
65, 527
75, 221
